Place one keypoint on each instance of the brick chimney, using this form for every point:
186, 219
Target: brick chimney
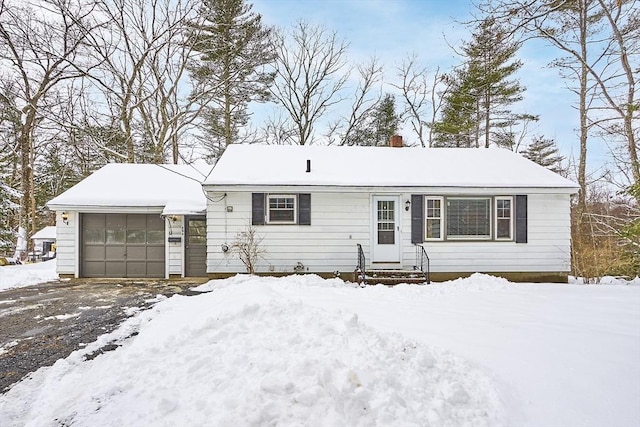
395, 141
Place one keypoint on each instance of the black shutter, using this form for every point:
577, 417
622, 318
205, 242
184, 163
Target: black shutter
257, 208
304, 209
417, 218
521, 219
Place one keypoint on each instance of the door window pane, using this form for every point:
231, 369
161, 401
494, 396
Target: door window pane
197, 231
386, 222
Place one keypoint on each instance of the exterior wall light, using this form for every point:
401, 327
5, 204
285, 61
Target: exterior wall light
65, 218
407, 205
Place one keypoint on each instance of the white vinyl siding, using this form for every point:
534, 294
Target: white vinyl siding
548, 248
175, 250
66, 243
341, 220
338, 222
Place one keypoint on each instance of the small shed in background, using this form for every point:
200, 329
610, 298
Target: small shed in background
44, 242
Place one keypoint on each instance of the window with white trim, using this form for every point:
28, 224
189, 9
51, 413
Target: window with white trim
433, 218
468, 217
504, 218
281, 209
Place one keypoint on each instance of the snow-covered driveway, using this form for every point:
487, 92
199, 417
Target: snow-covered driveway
41, 323
305, 351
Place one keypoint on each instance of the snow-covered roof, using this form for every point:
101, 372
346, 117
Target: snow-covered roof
177, 189
259, 165
47, 233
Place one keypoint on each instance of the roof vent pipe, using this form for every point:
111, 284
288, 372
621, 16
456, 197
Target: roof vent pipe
308, 165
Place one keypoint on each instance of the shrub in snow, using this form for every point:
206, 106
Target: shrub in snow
248, 246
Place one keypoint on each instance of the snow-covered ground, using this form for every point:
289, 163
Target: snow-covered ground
305, 351
17, 276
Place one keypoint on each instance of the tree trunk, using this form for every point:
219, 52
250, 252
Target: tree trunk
228, 138
584, 72
631, 105
487, 119
174, 147
126, 128
26, 219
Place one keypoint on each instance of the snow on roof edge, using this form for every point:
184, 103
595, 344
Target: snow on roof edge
411, 167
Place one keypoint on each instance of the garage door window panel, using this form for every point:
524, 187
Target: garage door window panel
94, 236
155, 236
115, 236
136, 236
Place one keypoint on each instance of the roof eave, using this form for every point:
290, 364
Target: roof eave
402, 188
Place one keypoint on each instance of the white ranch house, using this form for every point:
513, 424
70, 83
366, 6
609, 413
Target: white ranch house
472, 210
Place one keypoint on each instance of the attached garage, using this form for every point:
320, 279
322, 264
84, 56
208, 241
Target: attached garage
122, 245
133, 221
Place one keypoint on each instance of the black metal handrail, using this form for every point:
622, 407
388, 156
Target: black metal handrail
360, 271
422, 256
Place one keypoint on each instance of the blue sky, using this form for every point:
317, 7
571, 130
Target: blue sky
391, 29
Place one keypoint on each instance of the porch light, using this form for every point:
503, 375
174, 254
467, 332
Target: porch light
407, 205
65, 218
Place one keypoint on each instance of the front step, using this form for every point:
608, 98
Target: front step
394, 277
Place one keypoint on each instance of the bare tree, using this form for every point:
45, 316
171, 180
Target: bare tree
142, 80
278, 130
40, 50
344, 131
310, 74
418, 94
600, 41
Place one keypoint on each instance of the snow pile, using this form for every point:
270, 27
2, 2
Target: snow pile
301, 350
604, 280
17, 276
610, 280
244, 356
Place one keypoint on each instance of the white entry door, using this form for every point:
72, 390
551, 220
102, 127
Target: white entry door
386, 229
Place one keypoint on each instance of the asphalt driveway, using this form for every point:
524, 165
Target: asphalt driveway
43, 323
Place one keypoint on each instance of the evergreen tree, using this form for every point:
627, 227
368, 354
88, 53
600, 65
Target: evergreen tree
458, 125
385, 121
9, 168
544, 152
377, 129
477, 110
234, 47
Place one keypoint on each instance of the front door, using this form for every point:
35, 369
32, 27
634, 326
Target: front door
386, 229
196, 247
